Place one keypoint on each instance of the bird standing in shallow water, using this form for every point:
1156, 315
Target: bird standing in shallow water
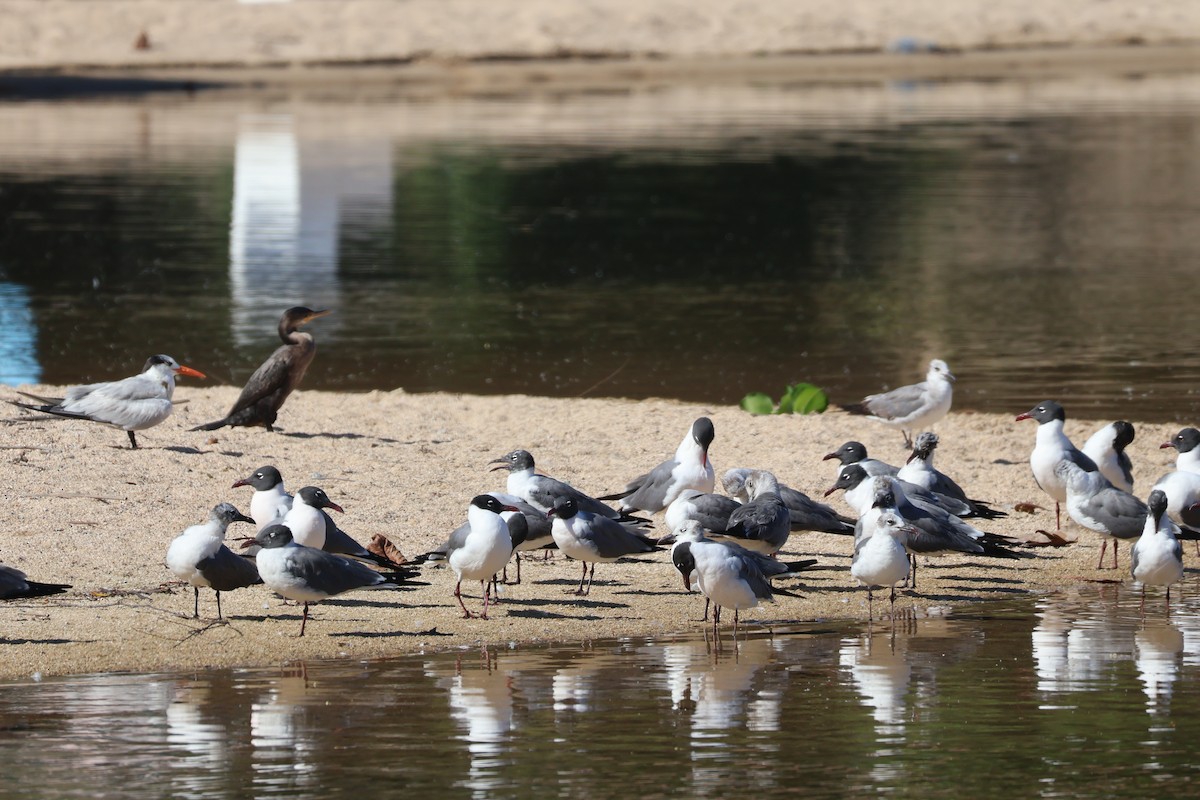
1157, 556
132, 404
271, 383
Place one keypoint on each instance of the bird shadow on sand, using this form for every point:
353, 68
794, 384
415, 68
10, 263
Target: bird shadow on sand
392, 634
4, 640
982, 579
570, 601
183, 449
534, 613
323, 435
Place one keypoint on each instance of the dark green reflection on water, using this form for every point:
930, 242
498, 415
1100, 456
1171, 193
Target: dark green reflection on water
1038, 252
1072, 695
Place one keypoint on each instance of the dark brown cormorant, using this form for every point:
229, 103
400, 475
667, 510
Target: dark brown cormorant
271, 383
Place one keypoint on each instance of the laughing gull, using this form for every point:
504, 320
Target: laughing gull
483, 550
804, 513
856, 453
728, 575
199, 557
312, 527
131, 404
881, 554
274, 380
763, 523
1106, 447
934, 530
1099, 506
308, 575
541, 491
914, 407
1051, 448
710, 511
592, 538
270, 501
1157, 556
1187, 443
689, 469
919, 470
14, 585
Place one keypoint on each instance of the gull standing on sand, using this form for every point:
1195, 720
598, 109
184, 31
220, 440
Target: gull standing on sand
541, 491
911, 408
1051, 448
804, 513
307, 575
919, 470
270, 501
274, 380
591, 538
764, 523
881, 554
1099, 506
1187, 443
310, 526
14, 585
689, 469
199, 557
1106, 447
1157, 556
131, 404
710, 511
484, 548
856, 453
934, 530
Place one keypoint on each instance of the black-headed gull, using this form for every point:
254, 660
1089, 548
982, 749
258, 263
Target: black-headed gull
1052, 447
199, 557
690, 468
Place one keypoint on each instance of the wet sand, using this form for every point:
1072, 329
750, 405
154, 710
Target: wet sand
82, 508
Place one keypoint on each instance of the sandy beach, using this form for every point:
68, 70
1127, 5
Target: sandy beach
86, 510
82, 508
460, 44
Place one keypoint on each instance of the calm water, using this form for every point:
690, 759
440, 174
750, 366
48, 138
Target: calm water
689, 242
1074, 695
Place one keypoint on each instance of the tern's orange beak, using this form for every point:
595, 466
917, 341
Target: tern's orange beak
194, 373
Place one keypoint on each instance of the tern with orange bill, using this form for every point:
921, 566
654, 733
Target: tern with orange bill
131, 404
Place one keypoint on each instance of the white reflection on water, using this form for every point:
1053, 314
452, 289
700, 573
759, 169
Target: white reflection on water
294, 197
1082, 635
283, 745
481, 702
18, 337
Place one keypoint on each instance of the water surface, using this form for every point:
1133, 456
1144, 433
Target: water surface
690, 242
1078, 694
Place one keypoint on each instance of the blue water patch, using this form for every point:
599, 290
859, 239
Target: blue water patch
18, 337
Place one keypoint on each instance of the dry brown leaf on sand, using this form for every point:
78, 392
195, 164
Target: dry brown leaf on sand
381, 546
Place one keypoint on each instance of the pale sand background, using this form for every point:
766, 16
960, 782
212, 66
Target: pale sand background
82, 508
41, 34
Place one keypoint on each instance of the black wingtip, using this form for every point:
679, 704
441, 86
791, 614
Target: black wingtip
211, 426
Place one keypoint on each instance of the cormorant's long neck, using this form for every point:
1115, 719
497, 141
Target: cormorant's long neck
291, 334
